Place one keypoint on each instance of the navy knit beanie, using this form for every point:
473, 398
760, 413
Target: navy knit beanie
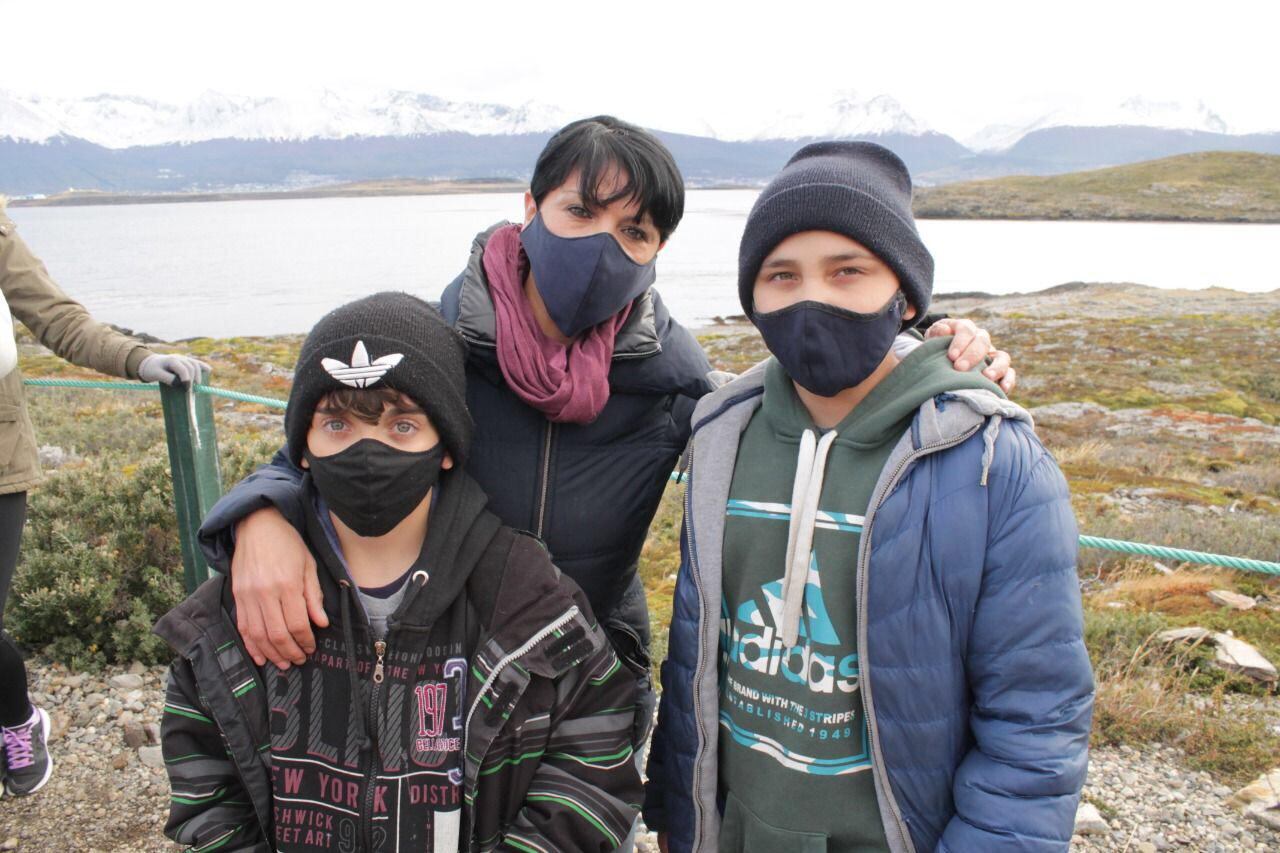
858, 189
387, 340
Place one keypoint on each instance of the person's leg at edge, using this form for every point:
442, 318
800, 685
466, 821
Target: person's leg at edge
24, 729
15, 707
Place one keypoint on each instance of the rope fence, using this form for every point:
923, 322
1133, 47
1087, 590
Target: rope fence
1118, 545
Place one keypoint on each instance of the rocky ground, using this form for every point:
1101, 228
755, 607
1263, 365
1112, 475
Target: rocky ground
1147, 800
105, 794
109, 793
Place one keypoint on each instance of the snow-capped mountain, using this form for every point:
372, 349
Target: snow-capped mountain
842, 117
1136, 111
119, 121
19, 120
218, 141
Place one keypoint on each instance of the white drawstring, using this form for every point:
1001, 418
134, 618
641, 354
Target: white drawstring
989, 446
806, 492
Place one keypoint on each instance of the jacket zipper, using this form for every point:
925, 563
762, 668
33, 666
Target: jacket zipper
564, 619
864, 558
375, 754
546, 478
698, 817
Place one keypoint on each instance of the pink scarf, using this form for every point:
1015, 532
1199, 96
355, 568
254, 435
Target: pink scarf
568, 384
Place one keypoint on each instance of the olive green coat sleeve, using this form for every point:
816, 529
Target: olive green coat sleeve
64, 326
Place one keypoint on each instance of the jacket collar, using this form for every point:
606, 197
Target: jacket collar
477, 323
461, 529
935, 421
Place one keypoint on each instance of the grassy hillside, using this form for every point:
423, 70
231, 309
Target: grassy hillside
1162, 408
1207, 187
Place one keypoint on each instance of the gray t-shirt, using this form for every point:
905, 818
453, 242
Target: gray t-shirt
380, 602
379, 607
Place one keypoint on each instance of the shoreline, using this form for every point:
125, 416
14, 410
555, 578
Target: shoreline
400, 188
390, 188
1124, 298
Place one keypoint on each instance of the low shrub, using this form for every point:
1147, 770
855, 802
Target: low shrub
1151, 693
101, 559
100, 562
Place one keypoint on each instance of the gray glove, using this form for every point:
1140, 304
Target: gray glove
173, 369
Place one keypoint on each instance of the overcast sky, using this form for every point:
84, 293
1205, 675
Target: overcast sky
954, 66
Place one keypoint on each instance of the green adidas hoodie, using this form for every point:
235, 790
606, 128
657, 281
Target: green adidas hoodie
793, 740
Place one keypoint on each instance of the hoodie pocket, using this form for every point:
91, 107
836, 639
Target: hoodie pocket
10, 433
742, 832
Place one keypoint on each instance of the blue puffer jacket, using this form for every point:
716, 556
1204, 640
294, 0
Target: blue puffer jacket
975, 678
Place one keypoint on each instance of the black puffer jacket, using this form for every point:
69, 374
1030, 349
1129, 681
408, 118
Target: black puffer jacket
588, 491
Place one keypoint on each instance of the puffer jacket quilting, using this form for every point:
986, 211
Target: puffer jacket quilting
974, 668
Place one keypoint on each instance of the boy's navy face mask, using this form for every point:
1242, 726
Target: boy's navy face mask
828, 349
373, 486
583, 281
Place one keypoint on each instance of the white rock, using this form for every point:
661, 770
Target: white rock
52, 456
1089, 821
1233, 655
1268, 816
1238, 656
127, 681
1069, 411
1176, 635
1265, 790
151, 756
1235, 600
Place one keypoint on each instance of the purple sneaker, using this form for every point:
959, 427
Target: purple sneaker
27, 755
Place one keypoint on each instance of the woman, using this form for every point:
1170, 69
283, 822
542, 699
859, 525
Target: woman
64, 326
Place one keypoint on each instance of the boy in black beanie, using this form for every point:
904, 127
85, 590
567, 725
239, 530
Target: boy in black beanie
461, 697
877, 633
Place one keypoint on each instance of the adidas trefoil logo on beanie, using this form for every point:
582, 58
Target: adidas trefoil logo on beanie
361, 373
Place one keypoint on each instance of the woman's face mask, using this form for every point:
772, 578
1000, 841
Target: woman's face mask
583, 281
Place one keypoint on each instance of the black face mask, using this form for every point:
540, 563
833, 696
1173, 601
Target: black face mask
373, 486
583, 281
828, 349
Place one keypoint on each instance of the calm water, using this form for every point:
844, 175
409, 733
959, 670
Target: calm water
268, 267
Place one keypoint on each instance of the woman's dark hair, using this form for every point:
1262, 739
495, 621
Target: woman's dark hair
597, 145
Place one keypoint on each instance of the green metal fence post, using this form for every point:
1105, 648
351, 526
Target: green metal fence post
197, 480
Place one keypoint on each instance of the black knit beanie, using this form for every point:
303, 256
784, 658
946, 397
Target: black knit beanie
858, 189
387, 340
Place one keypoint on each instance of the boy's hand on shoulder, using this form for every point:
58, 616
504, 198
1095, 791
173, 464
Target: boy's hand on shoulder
662, 842
972, 345
276, 589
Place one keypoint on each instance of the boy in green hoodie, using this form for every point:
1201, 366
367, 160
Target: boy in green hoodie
976, 740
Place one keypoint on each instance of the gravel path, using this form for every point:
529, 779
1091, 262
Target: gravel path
101, 795
1151, 801
104, 797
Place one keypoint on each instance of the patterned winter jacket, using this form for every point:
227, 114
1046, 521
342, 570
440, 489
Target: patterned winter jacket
494, 716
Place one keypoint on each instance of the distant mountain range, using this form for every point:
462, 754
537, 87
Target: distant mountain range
226, 142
